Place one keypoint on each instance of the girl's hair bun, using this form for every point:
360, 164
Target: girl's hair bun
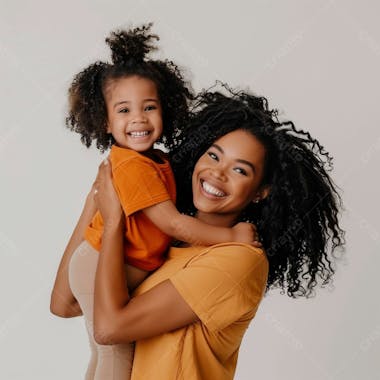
131, 45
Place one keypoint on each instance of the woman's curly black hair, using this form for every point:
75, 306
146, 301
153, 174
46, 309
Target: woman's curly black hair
298, 221
87, 108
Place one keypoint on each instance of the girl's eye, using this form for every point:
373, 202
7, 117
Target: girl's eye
124, 110
241, 171
213, 156
149, 108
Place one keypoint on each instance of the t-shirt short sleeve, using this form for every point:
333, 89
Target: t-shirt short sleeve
223, 285
139, 186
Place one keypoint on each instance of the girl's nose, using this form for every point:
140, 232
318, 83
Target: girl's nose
138, 117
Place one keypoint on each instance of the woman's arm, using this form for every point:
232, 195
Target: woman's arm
117, 318
62, 302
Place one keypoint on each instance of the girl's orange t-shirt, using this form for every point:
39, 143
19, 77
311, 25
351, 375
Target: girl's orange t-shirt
140, 183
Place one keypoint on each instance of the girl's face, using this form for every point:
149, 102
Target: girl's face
227, 177
134, 112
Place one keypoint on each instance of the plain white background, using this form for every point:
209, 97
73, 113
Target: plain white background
317, 61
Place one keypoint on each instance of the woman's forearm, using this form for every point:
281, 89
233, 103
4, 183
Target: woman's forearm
111, 291
121, 319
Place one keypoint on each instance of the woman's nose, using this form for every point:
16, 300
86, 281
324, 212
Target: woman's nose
218, 172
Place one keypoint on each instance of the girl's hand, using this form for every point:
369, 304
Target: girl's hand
246, 233
105, 196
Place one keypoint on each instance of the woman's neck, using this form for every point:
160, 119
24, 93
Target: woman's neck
218, 220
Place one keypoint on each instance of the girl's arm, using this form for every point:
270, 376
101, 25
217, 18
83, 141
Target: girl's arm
191, 230
62, 302
118, 319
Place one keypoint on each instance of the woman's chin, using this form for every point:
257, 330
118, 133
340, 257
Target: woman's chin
205, 207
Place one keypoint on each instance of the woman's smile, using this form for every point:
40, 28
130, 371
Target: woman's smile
211, 190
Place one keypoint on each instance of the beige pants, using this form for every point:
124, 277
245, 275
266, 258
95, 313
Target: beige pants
107, 362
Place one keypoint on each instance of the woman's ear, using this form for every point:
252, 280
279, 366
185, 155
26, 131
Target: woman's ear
261, 194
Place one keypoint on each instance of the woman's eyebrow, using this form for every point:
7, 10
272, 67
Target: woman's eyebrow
216, 146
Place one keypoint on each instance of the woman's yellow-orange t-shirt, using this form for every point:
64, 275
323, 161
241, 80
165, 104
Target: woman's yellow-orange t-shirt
223, 284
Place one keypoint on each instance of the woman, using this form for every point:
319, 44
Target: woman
237, 162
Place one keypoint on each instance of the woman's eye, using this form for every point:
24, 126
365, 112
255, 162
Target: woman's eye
241, 171
213, 156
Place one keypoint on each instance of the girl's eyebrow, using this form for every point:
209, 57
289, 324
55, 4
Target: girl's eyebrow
237, 160
128, 101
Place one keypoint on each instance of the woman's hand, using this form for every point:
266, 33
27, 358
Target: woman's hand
105, 195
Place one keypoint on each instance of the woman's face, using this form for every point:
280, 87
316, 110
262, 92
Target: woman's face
228, 175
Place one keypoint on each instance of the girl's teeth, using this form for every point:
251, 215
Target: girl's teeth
211, 190
139, 134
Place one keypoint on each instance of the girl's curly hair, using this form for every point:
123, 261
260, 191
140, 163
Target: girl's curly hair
87, 108
298, 221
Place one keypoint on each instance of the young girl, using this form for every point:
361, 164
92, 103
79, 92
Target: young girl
129, 105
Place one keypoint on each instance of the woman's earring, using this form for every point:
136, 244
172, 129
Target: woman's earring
257, 200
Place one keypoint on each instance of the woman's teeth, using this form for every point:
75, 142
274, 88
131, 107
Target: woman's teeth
139, 133
212, 190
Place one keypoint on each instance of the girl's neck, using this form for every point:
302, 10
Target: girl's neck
153, 155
